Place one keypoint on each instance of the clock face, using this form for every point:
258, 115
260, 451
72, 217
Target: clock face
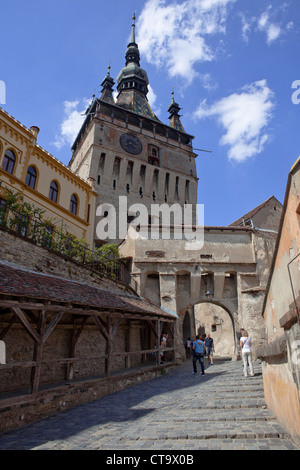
131, 144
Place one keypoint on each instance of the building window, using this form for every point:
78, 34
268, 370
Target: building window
153, 155
74, 204
31, 177
9, 161
53, 193
2, 211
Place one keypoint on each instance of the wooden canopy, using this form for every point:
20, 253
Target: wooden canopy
39, 302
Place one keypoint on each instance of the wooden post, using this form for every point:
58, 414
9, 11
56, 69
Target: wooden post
128, 344
74, 338
173, 325
38, 353
143, 342
158, 342
108, 348
70, 367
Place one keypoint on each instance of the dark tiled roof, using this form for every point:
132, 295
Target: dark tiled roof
136, 102
17, 281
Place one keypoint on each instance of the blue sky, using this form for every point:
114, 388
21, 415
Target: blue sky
231, 63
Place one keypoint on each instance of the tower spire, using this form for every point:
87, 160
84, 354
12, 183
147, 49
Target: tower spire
132, 53
132, 39
133, 81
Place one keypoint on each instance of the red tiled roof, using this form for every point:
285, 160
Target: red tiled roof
17, 281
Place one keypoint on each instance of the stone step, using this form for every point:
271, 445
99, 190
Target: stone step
210, 430
196, 445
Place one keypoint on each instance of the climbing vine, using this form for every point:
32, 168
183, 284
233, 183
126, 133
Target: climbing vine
27, 220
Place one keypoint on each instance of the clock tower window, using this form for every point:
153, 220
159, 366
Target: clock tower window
153, 155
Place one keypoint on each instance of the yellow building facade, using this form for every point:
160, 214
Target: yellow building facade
67, 200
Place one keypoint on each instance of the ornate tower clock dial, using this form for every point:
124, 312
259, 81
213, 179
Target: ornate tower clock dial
131, 144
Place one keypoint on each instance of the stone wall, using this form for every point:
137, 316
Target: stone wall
22, 252
27, 409
281, 352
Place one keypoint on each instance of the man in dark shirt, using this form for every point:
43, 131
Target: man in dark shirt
209, 343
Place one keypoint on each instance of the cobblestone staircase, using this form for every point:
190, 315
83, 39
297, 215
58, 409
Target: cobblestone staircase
177, 411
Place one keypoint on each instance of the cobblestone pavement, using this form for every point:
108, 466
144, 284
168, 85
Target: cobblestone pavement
177, 411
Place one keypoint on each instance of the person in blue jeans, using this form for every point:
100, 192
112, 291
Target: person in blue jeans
198, 354
209, 344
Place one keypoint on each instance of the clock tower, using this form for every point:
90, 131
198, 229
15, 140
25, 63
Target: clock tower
123, 149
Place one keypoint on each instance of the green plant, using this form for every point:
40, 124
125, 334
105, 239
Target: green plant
27, 220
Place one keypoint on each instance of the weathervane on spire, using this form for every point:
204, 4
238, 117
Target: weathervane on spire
172, 93
109, 67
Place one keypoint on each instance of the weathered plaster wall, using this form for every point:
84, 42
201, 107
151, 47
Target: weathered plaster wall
281, 354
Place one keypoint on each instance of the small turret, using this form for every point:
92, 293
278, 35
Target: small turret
107, 88
174, 117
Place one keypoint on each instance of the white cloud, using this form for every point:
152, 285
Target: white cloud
272, 30
72, 122
246, 26
175, 36
208, 82
244, 117
267, 24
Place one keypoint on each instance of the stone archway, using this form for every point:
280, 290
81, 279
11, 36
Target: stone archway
213, 318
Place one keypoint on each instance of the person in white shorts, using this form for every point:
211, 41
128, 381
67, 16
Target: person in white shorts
245, 343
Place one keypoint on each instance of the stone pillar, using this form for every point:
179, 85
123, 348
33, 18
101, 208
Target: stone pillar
168, 300
195, 287
168, 291
219, 279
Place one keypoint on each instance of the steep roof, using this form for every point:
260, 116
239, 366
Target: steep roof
21, 282
253, 212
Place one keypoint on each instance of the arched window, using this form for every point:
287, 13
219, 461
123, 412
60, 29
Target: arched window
31, 177
9, 161
53, 193
74, 204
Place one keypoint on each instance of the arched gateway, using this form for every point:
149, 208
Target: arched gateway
218, 321
222, 285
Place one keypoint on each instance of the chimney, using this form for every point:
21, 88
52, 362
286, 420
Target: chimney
35, 131
91, 182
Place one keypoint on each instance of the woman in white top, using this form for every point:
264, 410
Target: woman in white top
245, 343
